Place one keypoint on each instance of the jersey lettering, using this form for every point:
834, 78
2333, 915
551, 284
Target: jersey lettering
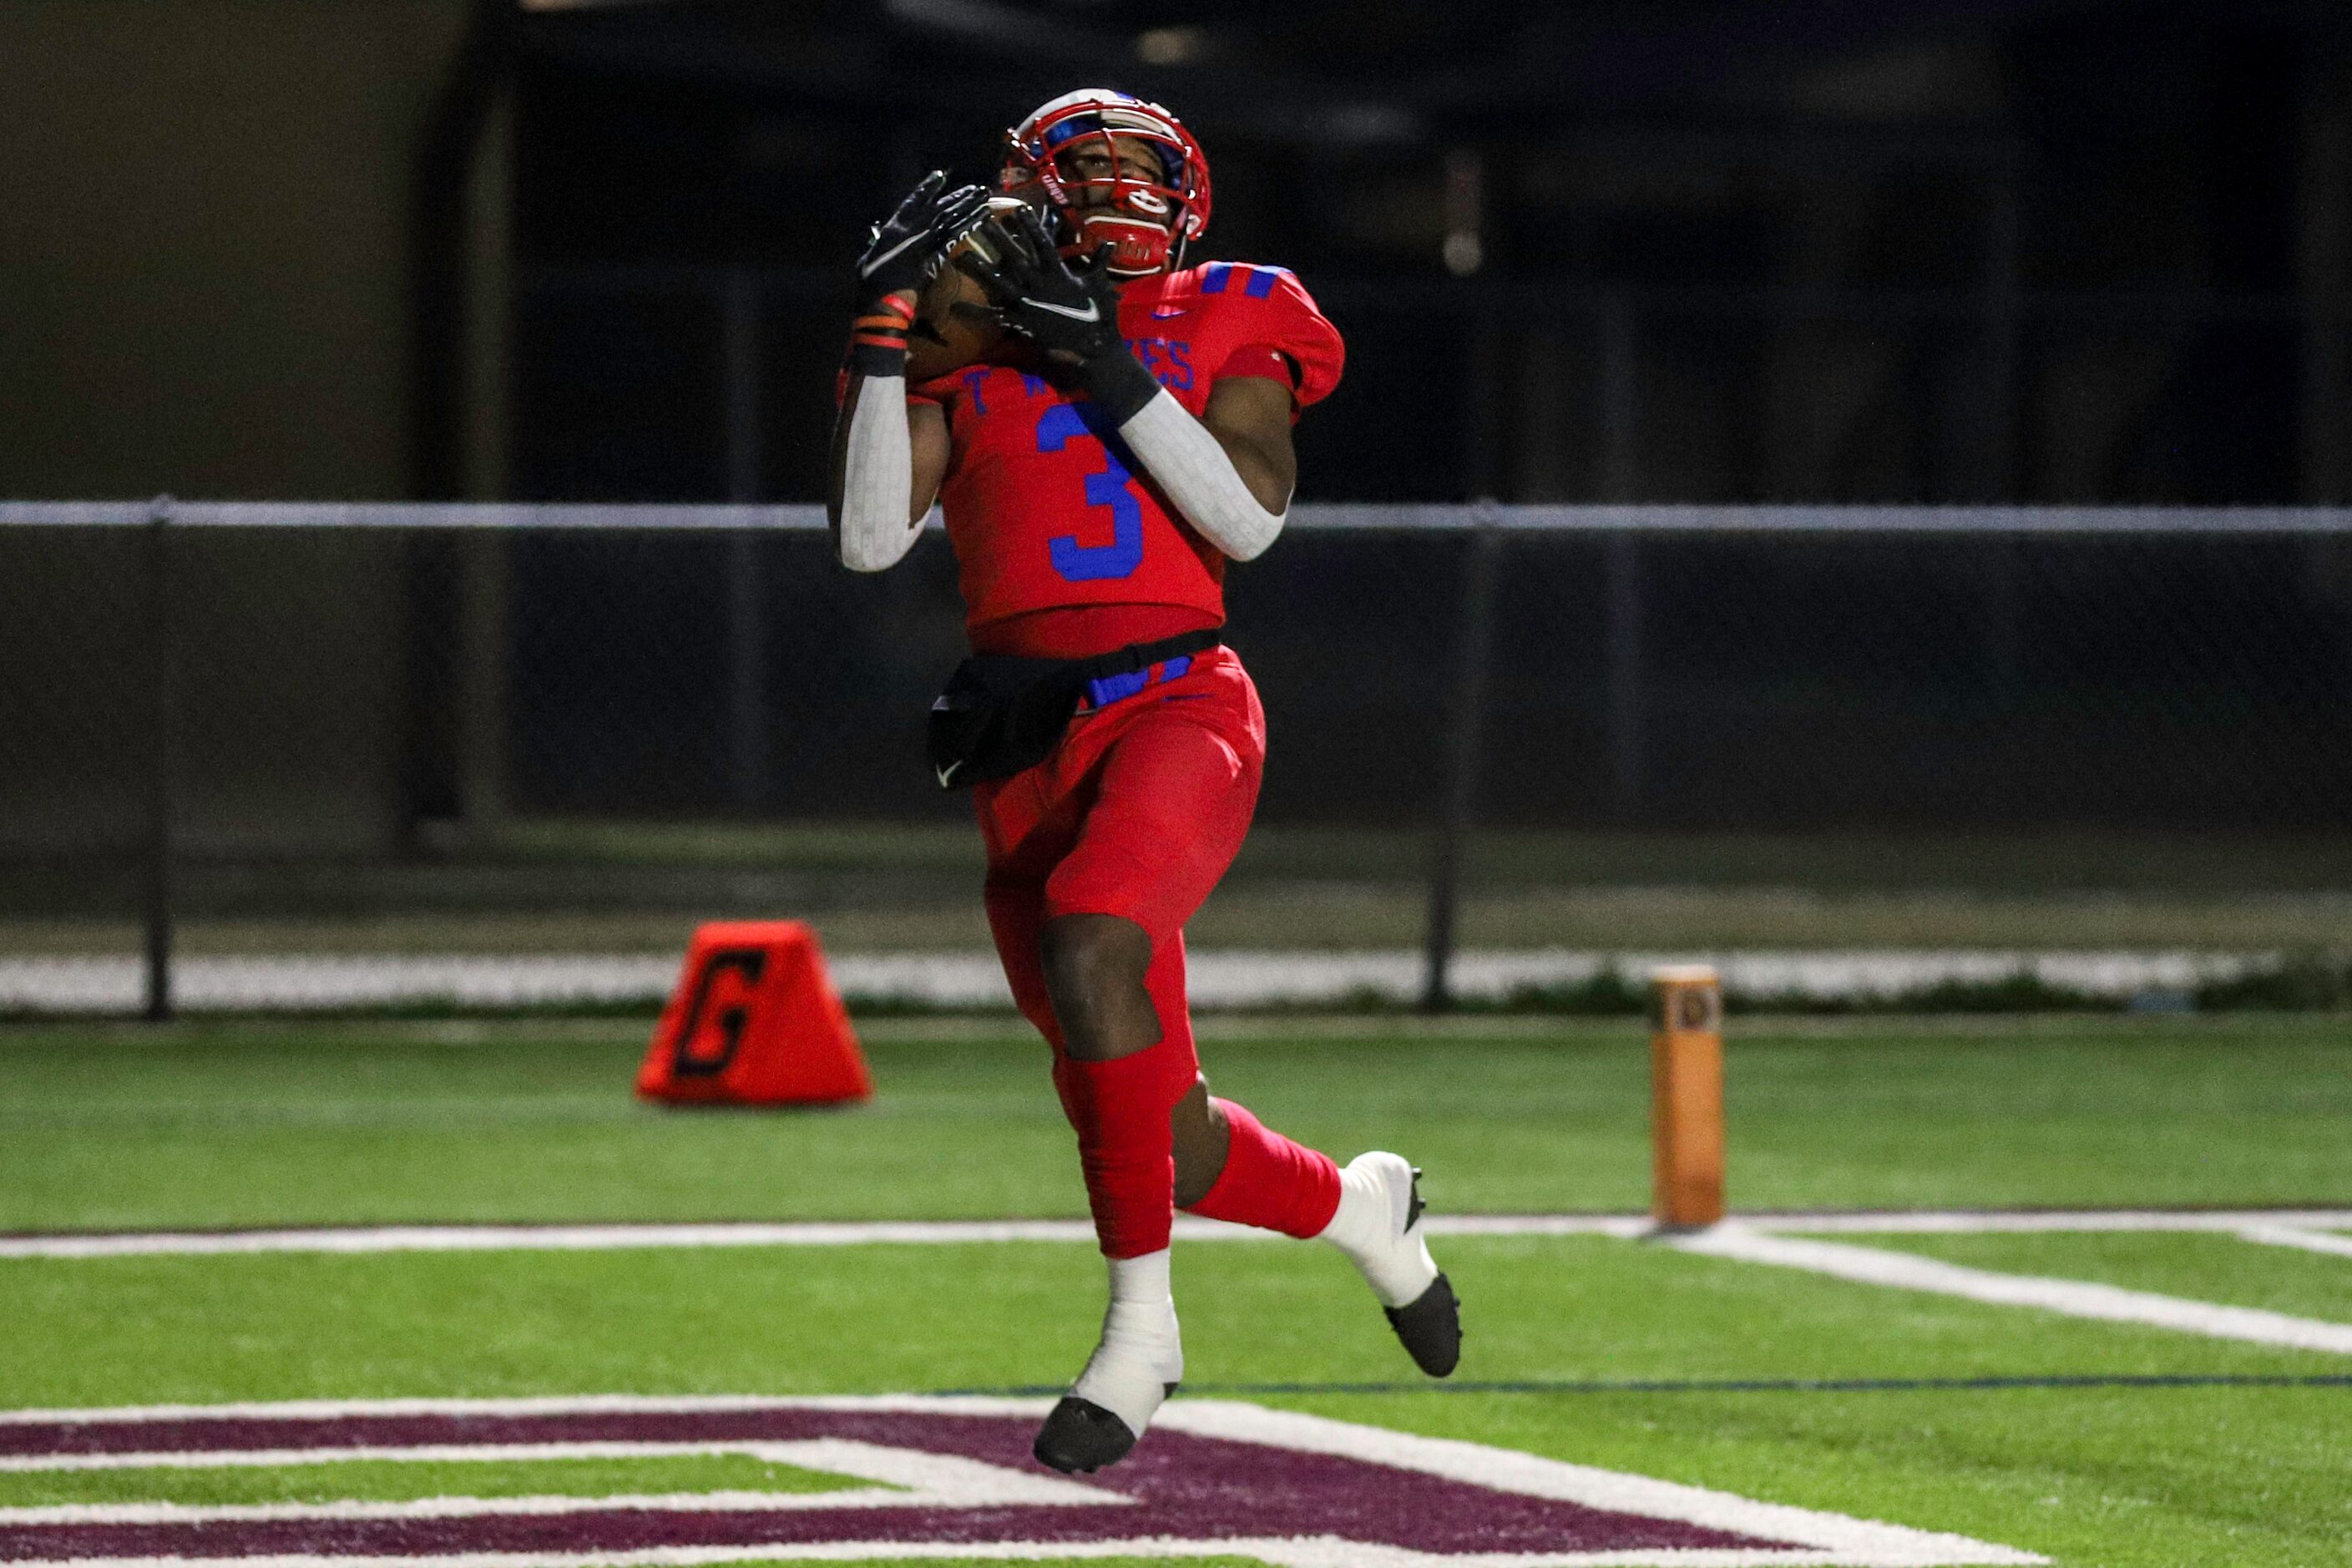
1076, 562
1169, 361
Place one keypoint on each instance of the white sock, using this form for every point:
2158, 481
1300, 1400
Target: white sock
1368, 1226
1142, 1349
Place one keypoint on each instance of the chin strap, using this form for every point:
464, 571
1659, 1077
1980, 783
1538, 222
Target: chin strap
1199, 476
1139, 247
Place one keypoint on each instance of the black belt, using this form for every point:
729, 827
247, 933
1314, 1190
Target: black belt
1002, 713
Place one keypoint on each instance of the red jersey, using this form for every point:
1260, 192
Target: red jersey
1047, 512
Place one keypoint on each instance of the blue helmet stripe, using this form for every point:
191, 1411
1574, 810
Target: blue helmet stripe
1076, 125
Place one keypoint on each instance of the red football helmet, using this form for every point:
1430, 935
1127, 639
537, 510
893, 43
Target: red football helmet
1146, 223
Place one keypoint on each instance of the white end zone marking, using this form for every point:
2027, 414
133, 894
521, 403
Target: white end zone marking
1504, 1470
936, 1233
2072, 1297
2292, 1236
416, 1453
1822, 1540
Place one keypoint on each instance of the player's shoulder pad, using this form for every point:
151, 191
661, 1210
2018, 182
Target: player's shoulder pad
1282, 314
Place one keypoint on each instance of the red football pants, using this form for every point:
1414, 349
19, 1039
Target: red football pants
1137, 813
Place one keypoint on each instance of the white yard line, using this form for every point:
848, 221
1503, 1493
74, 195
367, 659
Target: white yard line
930, 1474
2072, 1297
909, 1479
1997, 1222
936, 1233
536, 1404
2296, 1236
541, 1239
1763, 1240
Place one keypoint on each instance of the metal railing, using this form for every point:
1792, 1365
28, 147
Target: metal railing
1855, 519
1627, 611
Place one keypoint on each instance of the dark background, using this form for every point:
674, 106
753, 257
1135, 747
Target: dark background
1903, 250
1890, 252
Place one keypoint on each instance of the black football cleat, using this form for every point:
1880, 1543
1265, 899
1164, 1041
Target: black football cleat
1082, 1436
1429, 1328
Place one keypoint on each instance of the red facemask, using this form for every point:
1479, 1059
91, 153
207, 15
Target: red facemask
1145, 222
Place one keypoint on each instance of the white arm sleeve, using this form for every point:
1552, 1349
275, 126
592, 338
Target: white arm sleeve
1179, 451
878, 481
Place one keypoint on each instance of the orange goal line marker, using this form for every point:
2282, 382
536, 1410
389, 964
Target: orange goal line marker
1685, 1097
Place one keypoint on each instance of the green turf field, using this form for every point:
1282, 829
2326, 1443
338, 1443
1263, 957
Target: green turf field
2094, 1443
386, 1480
228, 1124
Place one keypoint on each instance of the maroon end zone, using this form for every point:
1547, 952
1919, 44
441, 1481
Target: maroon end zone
1186, 1486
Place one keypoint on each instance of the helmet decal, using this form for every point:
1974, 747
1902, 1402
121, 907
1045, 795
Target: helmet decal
1146, 223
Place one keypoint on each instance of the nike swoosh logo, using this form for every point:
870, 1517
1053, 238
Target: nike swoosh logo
947, 773
1166, 313
1091, 313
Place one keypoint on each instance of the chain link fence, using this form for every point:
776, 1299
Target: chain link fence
315, 755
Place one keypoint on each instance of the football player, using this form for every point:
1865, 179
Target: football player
1131, 436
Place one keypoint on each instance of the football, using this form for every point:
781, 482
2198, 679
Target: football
945, 339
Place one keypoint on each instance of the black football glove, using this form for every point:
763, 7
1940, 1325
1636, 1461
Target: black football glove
1070, 314
903, 251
